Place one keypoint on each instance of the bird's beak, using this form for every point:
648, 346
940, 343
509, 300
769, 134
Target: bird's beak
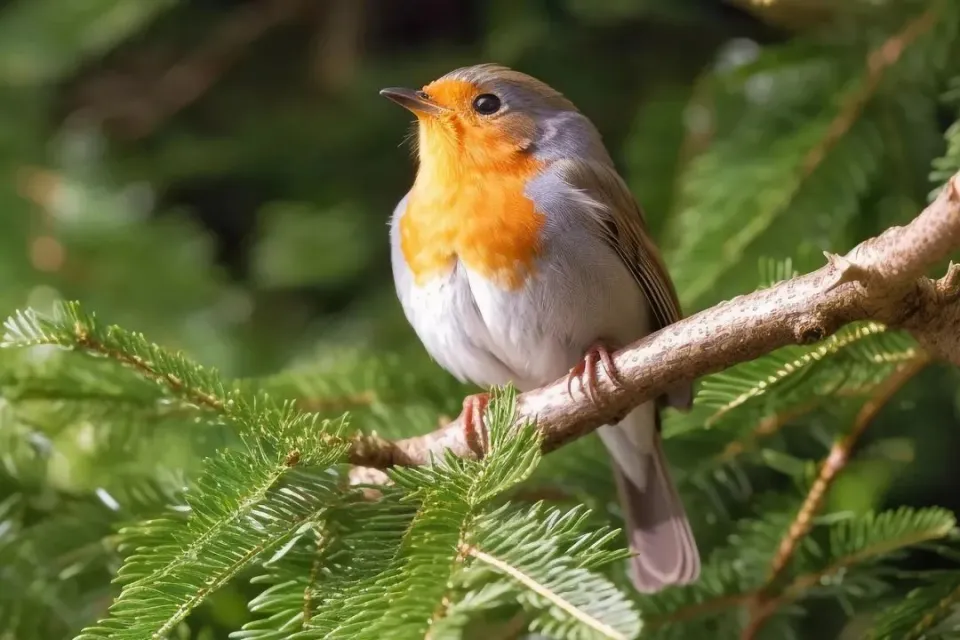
413, 100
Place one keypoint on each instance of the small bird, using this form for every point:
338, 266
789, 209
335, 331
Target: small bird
520, 256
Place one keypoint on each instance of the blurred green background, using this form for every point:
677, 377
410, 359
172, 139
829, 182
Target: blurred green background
219, 174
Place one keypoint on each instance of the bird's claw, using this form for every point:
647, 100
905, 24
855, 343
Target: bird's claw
585, 371
474, 407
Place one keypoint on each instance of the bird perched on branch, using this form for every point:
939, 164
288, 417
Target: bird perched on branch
520, 255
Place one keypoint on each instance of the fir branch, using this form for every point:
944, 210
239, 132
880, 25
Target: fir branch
550, 567
732, 389
921, 612
819, 135
879, 61
452, 496
245, 503
763, 606
353, 546
545, 592
193, 385
755, 399
838, 458
924, 526
881, 279
436, 552
853, 545
244, 506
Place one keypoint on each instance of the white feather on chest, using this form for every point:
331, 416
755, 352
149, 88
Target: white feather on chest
580, 292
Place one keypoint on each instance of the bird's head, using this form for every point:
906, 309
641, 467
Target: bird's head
490, 117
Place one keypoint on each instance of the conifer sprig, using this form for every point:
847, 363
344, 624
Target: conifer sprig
186, 381
807, 142
244, 504
924, 614
851, 555
275, 503
763, 607
426, 570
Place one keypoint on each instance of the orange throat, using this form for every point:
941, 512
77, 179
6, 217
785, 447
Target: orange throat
471, 206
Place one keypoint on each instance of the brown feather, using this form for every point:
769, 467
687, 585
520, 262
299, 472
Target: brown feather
622, 225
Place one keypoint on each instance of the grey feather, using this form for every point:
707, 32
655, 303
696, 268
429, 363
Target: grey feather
618, 219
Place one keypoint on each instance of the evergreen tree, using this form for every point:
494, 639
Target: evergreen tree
174, 446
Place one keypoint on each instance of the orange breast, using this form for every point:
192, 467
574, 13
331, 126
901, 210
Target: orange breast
478, 215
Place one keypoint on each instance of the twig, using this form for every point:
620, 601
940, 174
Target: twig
765, 605
878, 61
881, 279
766, 427
700, 609
838, 458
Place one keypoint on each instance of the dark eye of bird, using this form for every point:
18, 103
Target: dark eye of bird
486, 104
423, 95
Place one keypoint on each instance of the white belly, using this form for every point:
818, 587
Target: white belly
531, 336
486, 335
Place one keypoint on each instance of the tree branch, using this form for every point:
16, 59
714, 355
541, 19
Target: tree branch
881, 279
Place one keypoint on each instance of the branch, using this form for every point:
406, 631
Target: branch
878, 62
881, 279
837, 460
764, 604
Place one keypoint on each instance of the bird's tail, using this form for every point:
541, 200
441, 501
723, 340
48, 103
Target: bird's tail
657, 528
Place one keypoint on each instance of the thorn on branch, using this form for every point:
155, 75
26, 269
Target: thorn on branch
847, 271
948, 287
953, 185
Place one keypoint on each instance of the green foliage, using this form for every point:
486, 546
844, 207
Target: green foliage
807, 145
544, 552
276, 494
845, 560
41, 42
217, 178
928, 612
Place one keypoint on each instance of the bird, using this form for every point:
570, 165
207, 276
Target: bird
520, 256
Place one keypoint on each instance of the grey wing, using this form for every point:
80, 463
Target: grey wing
621, 224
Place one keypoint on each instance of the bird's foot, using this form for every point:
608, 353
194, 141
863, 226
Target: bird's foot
585, 371
474, 406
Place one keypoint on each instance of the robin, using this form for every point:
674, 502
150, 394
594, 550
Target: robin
520, 255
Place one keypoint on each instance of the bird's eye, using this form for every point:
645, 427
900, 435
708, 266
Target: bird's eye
486, 103
423, 95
